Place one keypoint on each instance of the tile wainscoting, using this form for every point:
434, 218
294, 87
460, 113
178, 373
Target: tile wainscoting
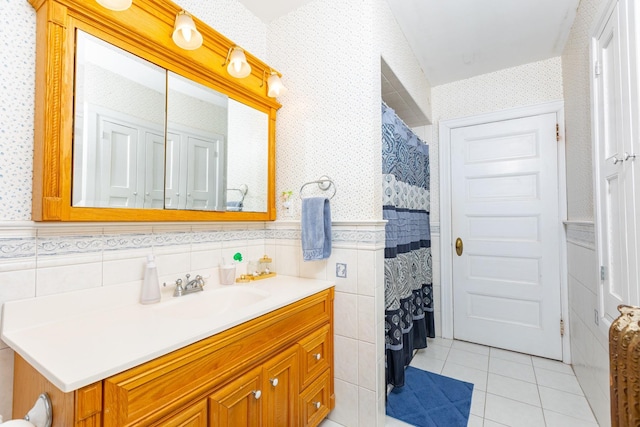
589, 342
39, 259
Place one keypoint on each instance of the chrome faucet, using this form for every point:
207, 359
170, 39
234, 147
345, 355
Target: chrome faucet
195, 285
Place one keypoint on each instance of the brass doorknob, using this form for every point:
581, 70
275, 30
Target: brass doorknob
459, 246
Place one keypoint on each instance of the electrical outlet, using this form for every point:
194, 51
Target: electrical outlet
596, 317
341, 270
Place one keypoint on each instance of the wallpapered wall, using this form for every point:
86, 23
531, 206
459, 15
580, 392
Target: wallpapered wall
575, 76
17, 86
330, 120
329, 52
527, 84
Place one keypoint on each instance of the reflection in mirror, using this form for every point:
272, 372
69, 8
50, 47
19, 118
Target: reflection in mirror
213, 156
196, 151
247, 174
118, 150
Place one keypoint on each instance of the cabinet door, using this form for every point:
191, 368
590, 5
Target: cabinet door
239, 403
315, 400
281, 388
315, 355
193, 416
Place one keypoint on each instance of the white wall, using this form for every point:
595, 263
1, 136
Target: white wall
330, 124
589, 344
329, 52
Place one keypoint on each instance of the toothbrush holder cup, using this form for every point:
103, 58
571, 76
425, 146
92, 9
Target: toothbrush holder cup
227, 274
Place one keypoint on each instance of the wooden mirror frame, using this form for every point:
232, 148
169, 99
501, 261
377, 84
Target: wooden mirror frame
145, 30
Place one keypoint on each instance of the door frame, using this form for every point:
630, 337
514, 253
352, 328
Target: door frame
446, 241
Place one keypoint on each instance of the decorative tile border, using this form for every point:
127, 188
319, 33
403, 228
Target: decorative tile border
581, 233
18, 248
96, 240
69, 245
127, 241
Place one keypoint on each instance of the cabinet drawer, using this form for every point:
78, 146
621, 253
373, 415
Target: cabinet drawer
193, 416
315, 355
314, 400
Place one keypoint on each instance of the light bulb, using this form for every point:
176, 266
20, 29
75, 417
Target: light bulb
186, 33
276, 88
238, 65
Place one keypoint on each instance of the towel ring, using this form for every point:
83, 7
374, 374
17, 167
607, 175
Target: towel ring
242, 189
324, 183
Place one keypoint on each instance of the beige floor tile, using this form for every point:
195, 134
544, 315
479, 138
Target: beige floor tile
566, 403
468, 346
470, 359
511, 369
510, 355
512, 413
511, 388
558, 381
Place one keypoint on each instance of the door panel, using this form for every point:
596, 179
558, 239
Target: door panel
506, 282
118, 165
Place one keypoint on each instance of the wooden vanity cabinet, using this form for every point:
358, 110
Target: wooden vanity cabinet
273, 371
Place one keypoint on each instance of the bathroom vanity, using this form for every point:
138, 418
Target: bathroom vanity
260, 355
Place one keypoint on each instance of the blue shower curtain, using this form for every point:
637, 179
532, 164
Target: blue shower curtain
409, 317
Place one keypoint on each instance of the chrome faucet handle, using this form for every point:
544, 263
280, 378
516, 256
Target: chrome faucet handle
179, 288
200, 281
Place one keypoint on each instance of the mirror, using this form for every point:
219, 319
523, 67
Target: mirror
148, 138
112, 132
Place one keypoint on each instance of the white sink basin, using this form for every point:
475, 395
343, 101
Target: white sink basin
211, 302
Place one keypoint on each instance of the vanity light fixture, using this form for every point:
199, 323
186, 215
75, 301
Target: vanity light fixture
185, 33
274, 84
238, 66
116, 5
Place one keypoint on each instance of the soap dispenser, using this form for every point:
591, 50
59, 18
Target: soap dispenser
150, 292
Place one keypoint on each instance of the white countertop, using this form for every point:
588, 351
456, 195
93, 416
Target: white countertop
77, 338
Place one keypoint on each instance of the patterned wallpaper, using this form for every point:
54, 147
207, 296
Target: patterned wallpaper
575, 76
17, 86
528, 84
330, 120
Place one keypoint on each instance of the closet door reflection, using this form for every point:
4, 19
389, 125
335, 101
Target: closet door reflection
196, 146
118, 151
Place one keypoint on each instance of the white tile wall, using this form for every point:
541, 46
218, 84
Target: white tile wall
329, 124
589, 343
41, 260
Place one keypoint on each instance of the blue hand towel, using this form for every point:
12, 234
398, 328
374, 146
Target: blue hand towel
316, 228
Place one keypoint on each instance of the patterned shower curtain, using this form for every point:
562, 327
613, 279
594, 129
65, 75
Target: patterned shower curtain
409, 317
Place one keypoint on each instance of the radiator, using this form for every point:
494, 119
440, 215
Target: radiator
624, 367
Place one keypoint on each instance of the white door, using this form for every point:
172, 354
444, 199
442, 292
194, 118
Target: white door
154, 171
202, 174
506, 282
118, 163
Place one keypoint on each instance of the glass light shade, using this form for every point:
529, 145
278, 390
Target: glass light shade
238, 65
276, 88
185, 35
117, 5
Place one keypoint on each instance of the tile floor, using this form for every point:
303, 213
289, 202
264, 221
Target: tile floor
510, 389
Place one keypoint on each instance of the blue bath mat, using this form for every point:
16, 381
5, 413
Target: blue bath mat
430, 400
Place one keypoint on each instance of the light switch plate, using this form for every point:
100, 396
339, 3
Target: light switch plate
341, 270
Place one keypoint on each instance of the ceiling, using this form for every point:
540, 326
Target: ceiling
459, 39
